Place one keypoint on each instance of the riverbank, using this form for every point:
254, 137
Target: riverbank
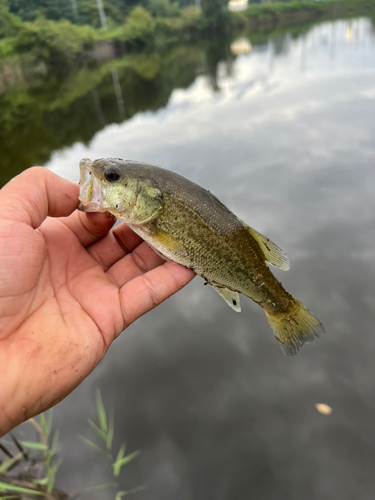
262, 17
61, 44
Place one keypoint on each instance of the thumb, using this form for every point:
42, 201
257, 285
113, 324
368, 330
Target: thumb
35, 194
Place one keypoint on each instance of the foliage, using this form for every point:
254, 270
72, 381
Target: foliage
86, 11
28, 10
6, 47
44, 453
17, 479
139, 27
115, 12
138, 24
104, 431
163, 8
58, 43
214, 9
9, 23
76, 11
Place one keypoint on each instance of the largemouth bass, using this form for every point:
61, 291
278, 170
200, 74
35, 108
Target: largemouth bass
185, 223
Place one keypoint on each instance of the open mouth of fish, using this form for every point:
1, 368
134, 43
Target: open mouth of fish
90, 189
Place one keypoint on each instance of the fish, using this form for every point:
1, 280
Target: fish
187, 224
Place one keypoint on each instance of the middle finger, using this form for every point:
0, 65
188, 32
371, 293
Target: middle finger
136, 263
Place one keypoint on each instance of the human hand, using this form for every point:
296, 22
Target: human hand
69, 285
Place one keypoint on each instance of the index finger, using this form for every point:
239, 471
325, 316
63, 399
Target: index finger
36, 193
148, 290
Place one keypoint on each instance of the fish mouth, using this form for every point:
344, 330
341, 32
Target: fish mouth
90, 189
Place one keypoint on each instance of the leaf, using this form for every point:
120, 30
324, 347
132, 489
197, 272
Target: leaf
5, 451
41, 482
101, 411
121, 494
49, 421
52, 447
46, 423
19, 447
93, 445
34, 446
43, 424
120, 462
51, 474
98, 431
19, 489
111, 427
101, 487
120, 454
6, 464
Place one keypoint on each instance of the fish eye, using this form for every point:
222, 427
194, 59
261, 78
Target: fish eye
111, 175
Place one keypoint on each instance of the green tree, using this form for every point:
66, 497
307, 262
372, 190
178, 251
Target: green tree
162, 8
139, 27
115, 12
214, 9
28, 10
9, 23
57, 43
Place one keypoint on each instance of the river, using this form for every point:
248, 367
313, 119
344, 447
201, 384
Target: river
281, 128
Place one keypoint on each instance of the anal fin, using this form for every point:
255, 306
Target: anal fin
230, 297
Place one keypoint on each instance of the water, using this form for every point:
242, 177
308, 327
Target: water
284, 135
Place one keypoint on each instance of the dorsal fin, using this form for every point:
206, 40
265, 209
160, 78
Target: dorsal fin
272, 253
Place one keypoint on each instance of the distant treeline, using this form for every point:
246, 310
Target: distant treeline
86, 11
63, 32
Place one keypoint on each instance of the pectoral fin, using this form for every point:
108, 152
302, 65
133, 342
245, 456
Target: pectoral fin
230, 297
272, 253
167, 241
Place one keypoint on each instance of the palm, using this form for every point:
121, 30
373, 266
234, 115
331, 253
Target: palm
52, 278
67, 290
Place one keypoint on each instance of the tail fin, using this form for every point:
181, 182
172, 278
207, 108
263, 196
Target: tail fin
295, 327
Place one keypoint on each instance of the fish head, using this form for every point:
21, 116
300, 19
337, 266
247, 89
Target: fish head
115, 186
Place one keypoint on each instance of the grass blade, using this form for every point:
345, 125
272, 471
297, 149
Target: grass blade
121, 453
51, 475
7, 464
34, 446
19, 447
98, 431
93, 445
41, 482
44, 426
121, 494
52, 447
49, 421
101, 487
120, 456
101, 411
11, 487
122, 461
111, 426
5, 451
129, 457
